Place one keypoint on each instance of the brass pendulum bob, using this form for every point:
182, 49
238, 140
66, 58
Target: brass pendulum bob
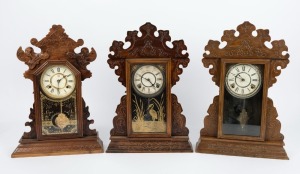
243, 117
61, 120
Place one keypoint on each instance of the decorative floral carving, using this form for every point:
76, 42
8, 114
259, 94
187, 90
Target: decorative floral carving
178, 120
56, 46
148, 46
246, 46
120, 120
32, 133
86, 123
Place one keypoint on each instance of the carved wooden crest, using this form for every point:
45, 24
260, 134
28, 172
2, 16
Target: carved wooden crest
246, 46
148, 46
57, 46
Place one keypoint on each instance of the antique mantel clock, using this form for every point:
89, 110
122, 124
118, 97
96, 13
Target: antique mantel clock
242, 119
59, 116
149, 117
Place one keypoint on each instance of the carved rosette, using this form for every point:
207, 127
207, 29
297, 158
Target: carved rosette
246, 46
148, 46
56, 46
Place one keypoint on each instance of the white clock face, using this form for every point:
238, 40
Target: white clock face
58, 81
243, 80
148, 80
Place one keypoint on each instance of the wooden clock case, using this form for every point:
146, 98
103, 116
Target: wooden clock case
248, 49
57, 49
149, 48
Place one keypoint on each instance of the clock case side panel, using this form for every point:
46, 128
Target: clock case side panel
265, 76
167, 63
79, 111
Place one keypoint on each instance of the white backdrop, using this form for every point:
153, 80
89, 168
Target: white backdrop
98, 23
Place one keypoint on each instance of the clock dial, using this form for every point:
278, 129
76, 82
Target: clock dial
243, 80
58, 81
148, 80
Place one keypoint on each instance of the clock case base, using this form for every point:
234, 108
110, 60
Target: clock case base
34, 148
120, 144
267, 149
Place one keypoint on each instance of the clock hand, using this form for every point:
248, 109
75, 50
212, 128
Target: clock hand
148, 81
240, 77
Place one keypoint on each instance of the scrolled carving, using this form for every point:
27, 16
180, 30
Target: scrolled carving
273, 125
32, 133
57, 46
211, 120
246, 46
214, 70
82, 59
86, 123
178, 120
274, 72
120, 120
148, 46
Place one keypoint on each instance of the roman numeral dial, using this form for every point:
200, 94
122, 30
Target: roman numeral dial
57, 81
243, 80
148, 80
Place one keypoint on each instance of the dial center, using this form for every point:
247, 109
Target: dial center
58, 81
148, 79
243, 79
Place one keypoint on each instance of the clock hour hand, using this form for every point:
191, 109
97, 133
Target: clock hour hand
239, 76
148, 81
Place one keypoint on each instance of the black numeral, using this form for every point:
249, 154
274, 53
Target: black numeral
242, 91
237, 69
58, 69
236, 89
243, 68
46, 80
255, 80
253, 74
52, 70
231, 79
71, 81
52, 90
